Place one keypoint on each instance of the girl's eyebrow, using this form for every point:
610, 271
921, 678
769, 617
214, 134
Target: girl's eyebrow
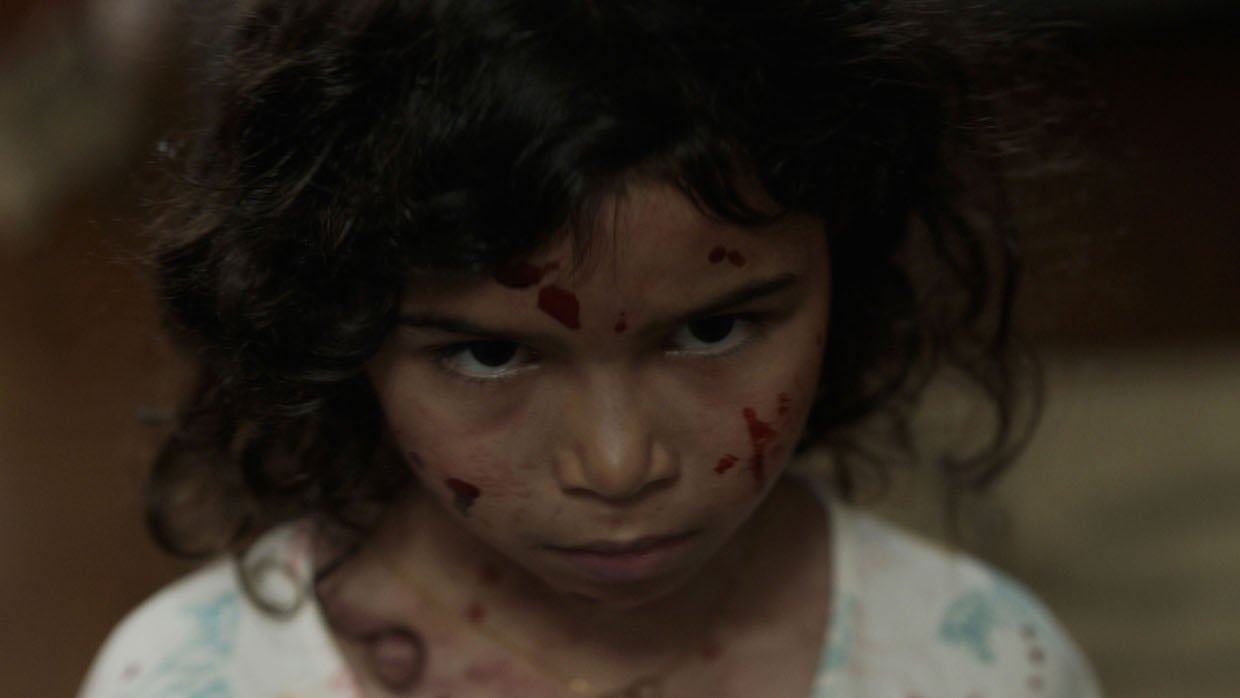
749, 292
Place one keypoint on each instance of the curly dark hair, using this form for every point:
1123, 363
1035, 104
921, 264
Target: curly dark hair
343, 146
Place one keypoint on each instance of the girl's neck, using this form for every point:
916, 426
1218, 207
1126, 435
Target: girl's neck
419, 563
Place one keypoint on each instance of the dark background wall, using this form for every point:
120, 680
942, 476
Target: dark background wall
1121, 515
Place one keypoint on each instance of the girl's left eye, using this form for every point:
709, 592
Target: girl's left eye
714, 334
485, 359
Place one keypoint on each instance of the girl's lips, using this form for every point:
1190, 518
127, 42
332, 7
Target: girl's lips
630, 561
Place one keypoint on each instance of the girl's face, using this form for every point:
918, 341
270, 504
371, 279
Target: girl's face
610, 425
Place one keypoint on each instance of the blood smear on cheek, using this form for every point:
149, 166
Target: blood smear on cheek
726, 463
760, 435
561, 305
465, 494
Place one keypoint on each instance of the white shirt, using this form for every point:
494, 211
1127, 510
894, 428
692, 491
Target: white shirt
909, 619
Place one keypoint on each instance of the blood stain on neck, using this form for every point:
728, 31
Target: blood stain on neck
561, 305
522, 274
760, 435
464, 492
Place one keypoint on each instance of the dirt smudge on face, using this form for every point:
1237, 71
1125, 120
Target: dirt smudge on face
561, 305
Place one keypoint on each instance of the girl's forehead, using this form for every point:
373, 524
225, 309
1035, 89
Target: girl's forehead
647, 247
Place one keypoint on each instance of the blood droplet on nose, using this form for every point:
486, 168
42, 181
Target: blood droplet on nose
561, 305
464, 492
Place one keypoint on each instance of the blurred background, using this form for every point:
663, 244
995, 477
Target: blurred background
1124, 514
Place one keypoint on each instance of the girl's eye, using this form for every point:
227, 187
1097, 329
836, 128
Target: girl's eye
484, 359
715, 334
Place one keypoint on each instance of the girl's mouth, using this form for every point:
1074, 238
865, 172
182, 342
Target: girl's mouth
625, 561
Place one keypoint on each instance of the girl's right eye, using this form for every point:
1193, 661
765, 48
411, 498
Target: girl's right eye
486, 359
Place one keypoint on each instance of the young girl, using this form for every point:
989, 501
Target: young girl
512, 320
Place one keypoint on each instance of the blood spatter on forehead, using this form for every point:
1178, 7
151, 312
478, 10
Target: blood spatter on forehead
760, 436
621, 324
720, 253
522, 274
561, 305
784, 402
725, 464
464, 492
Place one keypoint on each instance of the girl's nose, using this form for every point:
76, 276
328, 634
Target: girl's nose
609, 447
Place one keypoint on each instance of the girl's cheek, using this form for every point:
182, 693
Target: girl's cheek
763, 434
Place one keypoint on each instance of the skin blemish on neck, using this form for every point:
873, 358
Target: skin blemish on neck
522, 274
725, 464
717, 255
464, 492
489, 575
561, 305
760, 435
475, 613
